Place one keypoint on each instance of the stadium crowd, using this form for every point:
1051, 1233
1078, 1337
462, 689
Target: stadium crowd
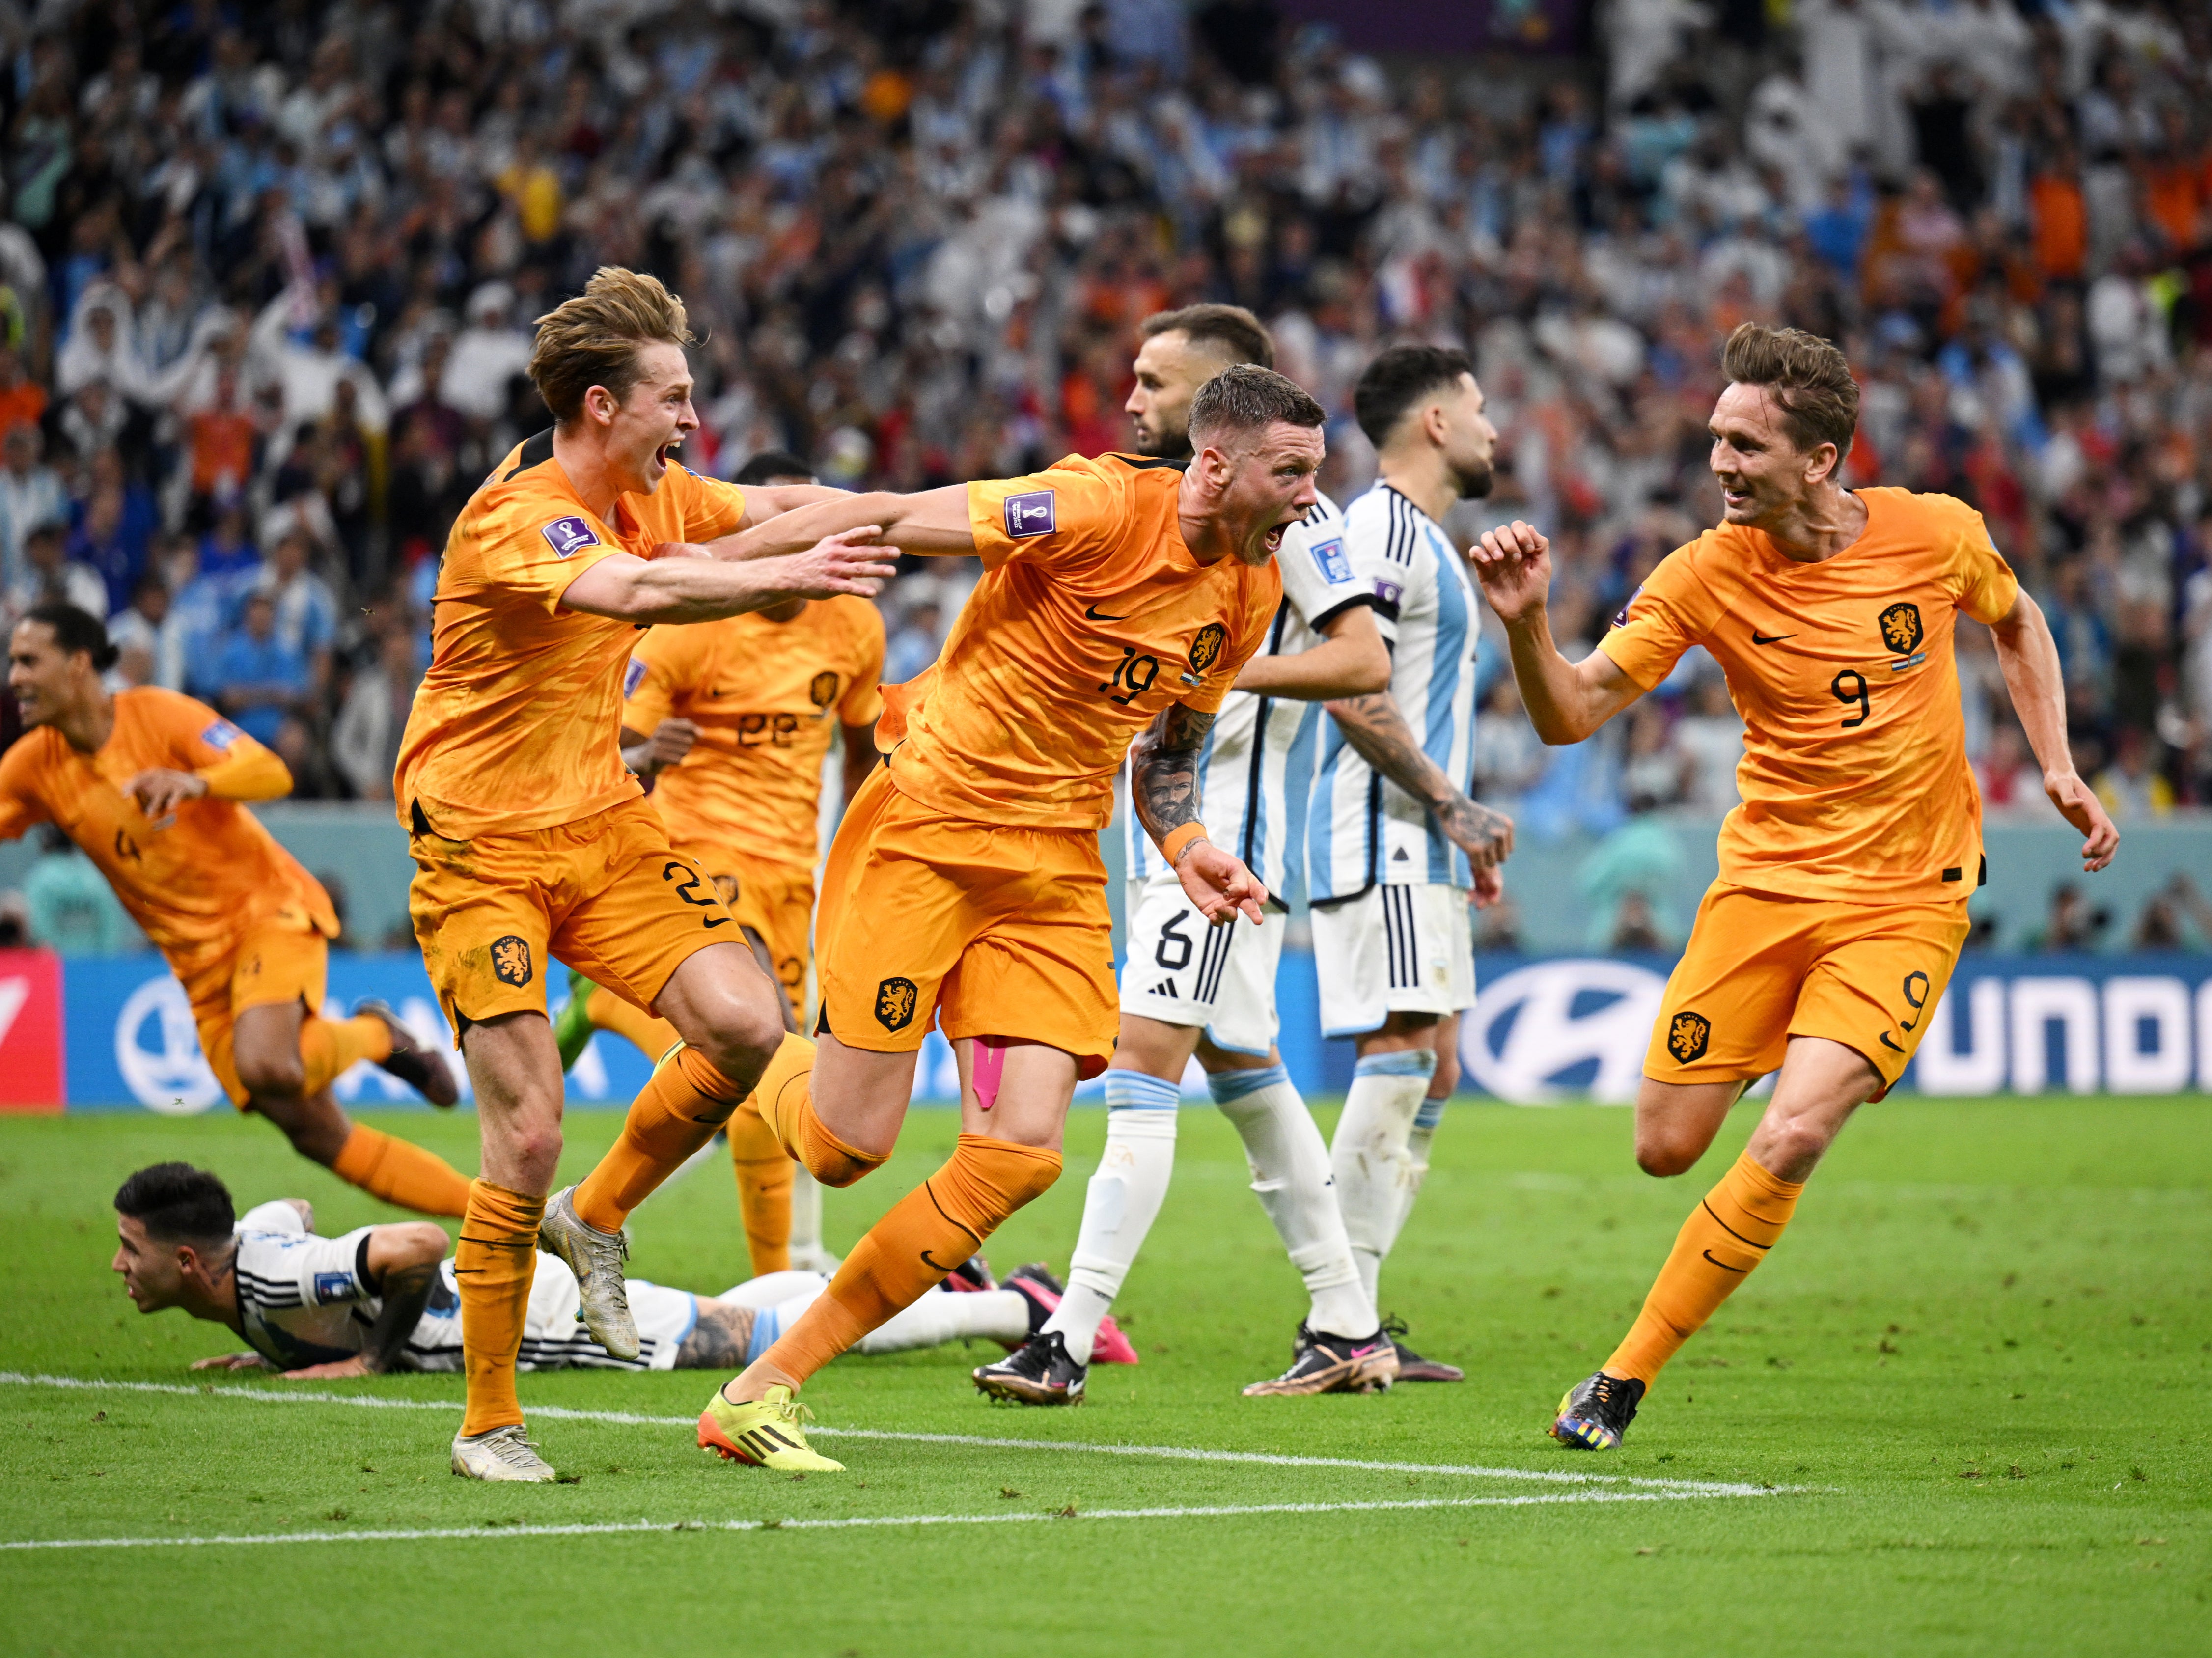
270, 271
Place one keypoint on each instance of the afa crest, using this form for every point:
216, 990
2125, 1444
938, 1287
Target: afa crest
895, 1003
510, 960
1687, 1035
1205, 649
822, 689
1900, 629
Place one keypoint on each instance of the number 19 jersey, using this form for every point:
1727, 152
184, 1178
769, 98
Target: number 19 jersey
1854, 782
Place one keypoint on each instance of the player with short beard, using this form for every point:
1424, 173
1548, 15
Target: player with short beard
1841, 906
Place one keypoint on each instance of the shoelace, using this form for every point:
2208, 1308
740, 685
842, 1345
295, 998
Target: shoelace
512, 1447
792, 1412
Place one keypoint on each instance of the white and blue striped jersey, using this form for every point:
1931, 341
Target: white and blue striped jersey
1255, 772
1361, 827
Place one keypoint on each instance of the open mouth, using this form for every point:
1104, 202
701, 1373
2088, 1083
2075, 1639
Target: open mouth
1273, 540
665, 453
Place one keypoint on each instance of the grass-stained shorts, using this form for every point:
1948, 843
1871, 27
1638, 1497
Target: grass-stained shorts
998, 931
282, 957
607, 895
1760, 969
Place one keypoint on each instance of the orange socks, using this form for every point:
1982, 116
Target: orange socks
1725, 1237
400, 1173
328, 1049
493, 1264
686, 1100
927, 1233
784, 1102
608, 1012
764, 1173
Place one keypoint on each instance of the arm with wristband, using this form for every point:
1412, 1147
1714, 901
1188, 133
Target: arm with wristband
1164, 789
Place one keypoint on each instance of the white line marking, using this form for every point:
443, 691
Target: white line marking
493, 1533
1180, 1453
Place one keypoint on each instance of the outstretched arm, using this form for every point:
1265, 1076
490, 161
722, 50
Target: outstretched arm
1379, 735
1163, 791
1350, 660
932, 521
679, 584
1566, 701
2029, 656
766, 501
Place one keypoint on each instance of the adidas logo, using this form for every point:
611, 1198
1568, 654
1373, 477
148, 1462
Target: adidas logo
1166, 987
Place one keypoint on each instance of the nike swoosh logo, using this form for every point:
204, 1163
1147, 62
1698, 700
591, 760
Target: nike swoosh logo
1758, 638
1723, 1266
1090, 614
718, 921
927, 1261
1890, 1045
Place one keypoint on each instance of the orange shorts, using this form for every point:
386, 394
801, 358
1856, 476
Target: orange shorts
998, 931
772, 899
1761, 968
606, 895
283, 957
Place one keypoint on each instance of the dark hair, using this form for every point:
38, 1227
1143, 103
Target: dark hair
1249, 399
1231, 329
770, 465
178, 1203
1400, 378
1806, 375
75, 630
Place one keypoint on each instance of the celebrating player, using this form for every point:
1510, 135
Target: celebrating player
382, 1298
1121, 597
149, 784
1188, 989
1396, 859
530, 837
732, 721
1841, 906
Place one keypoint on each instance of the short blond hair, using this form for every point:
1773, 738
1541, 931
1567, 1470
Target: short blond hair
592, 339
1806, 375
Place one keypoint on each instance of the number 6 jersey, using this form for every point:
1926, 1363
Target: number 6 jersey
1854, 782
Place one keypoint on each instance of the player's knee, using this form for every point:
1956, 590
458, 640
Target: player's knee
1666, 1154
277, 1073
742, 1034
1789, 1149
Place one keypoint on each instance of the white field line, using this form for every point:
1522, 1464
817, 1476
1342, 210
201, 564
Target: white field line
493, 1533
1178, 1453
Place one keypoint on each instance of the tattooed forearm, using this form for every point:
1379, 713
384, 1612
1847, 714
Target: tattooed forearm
1379, 735
406, 1292
1164, 770
717, 1341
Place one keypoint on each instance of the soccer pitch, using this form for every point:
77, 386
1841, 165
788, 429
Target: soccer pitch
1957, 1412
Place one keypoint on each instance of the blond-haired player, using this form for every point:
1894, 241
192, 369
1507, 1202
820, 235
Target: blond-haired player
1824, 946
530, 837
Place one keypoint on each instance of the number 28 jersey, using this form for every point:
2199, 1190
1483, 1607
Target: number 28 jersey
1854, 782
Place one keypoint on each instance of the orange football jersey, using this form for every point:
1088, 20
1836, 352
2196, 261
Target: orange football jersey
1854, 779
1091, 617
516, 725
195, 886
767, 698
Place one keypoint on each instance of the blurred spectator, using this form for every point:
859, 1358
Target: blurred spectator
30, 494
1711, 738
72, 910
2071, 924
914, 646
307, 615
1508, 756
2175, 917
151, 636
262, 682
1629, 884
48, 572
489, 352
365, 741
1657, 772
23, 399
2130, 790
2008, 775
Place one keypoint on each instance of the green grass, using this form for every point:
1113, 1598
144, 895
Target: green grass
1978, 1361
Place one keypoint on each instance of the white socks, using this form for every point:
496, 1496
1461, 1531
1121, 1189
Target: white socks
947, 1315
1376, 1176
1291, 1177
1123, 1199
806, 1247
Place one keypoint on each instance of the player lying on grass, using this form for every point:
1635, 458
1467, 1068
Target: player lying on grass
384, 1298
1824, 947
1121, 598
150, 786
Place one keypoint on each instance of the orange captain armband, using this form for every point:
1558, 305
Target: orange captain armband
1179, 842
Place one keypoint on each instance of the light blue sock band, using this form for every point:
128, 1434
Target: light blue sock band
1227, 1086
1134, 1090
1431, 1113
1407, 1062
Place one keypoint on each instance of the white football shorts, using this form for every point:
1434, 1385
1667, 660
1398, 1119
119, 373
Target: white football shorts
1181, 971
1392, 950
552, 1337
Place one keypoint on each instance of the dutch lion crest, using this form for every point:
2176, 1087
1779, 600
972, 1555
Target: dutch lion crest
1687, 1035
510, 960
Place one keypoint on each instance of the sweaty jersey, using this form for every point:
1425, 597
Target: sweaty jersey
767, 698
1256, 768
195, 886
516, 727
1092, 616
1854, 782
1363, 827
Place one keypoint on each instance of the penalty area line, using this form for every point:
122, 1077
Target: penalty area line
981, 1442
1208, 1511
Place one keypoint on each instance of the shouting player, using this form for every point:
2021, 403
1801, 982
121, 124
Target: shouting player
732, 721
530, 838
1121, 598
1188, 989
149, 783
1398, 850
384, 1298
1824, 947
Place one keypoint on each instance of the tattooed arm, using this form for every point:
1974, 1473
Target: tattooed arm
1379, 735
1164, 791
718, 1340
